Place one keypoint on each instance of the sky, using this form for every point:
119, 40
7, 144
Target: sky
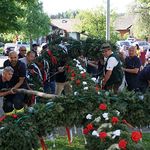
55, 6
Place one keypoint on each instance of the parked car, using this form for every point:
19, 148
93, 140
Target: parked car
143, 44
19, 44
123, 43
8, 47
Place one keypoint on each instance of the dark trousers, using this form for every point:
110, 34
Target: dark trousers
15, 101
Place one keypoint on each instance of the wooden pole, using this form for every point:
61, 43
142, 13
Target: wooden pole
31, 92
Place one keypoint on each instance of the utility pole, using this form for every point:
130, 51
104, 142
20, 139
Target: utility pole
108, 21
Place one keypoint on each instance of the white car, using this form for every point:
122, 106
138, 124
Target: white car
19, 44
142, 44
8, 47
120, 44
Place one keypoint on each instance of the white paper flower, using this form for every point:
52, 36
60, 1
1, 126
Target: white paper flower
84, 83
98, 119
85, 88
80, 67
95, 133
75, 93
93, 79
141, 97
116, 133
81, 72
118, 113
78, 62
89, 116
98, 93
84, 70
105, 115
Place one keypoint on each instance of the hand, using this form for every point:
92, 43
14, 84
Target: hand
12, 91
124, 69
60, 69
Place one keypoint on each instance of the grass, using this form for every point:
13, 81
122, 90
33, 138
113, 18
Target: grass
78, 143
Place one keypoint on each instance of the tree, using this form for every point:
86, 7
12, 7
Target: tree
36, 22
10, 11
142, 21
93, 23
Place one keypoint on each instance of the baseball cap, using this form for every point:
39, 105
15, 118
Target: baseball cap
105, 45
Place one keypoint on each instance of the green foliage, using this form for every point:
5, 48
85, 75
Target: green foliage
105, 124
142, 21
93, 23
10, 10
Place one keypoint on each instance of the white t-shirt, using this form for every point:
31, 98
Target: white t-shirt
24, 60
111, 63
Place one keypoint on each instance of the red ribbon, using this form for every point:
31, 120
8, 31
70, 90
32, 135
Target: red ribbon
43, 145
2, 118
68, 134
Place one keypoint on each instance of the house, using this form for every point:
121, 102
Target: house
124, 25
67, 27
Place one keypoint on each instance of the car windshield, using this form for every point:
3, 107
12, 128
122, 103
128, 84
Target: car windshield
125, 43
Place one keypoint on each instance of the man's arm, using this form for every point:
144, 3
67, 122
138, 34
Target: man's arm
106, 77
5, 93
21, 80
134, 71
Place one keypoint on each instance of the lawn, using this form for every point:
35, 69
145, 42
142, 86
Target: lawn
78, 143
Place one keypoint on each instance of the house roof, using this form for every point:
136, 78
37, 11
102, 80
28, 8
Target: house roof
70, 25
124, 22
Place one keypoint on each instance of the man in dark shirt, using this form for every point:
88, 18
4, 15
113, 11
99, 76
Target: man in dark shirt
17, 81
5, 77
144, 79
132, 68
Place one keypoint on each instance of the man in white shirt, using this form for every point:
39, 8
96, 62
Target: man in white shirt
113, 73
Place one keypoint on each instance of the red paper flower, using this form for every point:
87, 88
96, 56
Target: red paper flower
83, 75
14, 116
102, 135
122, 144
49, 53
2, 118
78, 82
90, 127
136, 136
85, 131
97, 88
68, 68
73, 74
102, 106
114, 120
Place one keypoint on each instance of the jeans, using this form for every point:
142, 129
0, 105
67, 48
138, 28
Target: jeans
49, 87
13, 101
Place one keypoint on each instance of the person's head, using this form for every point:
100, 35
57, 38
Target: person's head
132, 51
34, 47
13, 57
22, 50
30, 56
106, 50
7, 73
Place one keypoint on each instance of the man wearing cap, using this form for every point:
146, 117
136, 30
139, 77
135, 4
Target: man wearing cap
113, 73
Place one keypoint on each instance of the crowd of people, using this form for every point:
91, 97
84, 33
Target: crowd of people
50, 75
